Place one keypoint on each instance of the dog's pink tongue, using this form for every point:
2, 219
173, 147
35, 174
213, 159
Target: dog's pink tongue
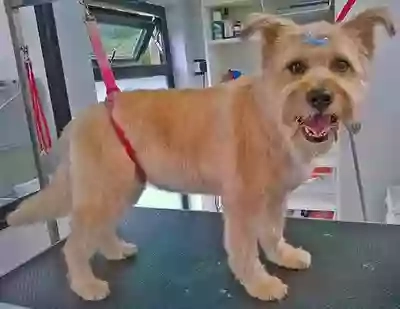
318, 123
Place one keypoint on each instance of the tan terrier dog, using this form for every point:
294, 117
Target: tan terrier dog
251, 141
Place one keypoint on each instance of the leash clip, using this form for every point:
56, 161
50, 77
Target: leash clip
88, 15
25, 52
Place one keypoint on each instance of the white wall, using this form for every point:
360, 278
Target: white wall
185, 32
378, 149
75, 53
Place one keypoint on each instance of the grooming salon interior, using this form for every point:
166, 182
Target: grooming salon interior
162, 44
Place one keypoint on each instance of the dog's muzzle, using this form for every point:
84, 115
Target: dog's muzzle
316, 128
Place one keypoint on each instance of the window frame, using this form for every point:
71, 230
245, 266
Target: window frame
147, 16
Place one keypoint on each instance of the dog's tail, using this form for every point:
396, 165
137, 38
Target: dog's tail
52, 202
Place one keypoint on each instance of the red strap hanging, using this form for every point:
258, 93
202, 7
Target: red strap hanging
42, 127
101, 56
345, 10
111, 87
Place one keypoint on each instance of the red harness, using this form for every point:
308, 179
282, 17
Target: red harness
111, 88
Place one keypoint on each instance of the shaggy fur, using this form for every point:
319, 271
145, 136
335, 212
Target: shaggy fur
250, 141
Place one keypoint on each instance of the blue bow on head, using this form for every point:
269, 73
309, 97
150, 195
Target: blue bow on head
316, 41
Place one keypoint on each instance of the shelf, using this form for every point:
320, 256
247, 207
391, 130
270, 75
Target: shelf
212, 4
316, 202
225, 41
309, 201
253, 39
327, 185
317, 194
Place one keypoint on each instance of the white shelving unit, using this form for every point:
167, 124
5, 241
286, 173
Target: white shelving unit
319, 194
231, 53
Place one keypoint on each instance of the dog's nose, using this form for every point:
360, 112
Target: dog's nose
319, 98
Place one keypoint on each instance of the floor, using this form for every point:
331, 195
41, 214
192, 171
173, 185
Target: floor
23, 243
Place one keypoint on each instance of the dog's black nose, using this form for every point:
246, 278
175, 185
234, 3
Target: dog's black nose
319, 98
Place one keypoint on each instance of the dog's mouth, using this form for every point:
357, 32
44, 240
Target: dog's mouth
316, 128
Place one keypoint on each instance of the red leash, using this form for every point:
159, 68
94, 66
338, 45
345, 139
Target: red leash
111, 87
345, 10
41, 125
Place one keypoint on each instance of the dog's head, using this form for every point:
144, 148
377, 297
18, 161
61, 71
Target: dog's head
317, 72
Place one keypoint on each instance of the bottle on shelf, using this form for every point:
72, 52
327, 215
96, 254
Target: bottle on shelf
217, 25
237, 29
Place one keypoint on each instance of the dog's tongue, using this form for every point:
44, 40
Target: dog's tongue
318, 123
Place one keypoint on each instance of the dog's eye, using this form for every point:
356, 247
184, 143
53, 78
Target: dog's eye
340, 65
297, 67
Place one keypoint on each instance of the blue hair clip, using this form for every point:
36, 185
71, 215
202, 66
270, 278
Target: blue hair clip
316, 41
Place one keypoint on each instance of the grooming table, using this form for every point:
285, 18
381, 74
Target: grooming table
182, 265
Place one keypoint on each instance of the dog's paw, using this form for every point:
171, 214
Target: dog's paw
122, 251
268, 288
92, 290
292, 258
129, 249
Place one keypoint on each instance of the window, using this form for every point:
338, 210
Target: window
135, 38
120, 41
124, 43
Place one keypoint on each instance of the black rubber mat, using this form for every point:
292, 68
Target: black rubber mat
181, 265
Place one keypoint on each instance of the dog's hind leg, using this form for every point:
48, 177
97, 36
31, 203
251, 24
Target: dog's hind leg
103, 180
270, 228
240, 238
111, 246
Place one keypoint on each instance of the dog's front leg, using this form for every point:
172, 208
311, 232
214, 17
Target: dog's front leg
270, 235
240, 239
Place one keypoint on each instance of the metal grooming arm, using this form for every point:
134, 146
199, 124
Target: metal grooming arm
357, 171
12, 11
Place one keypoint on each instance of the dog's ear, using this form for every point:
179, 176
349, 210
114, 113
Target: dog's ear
268, 25
363, 25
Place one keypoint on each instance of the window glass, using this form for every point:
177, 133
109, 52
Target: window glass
120, 39
128, 43
18, 174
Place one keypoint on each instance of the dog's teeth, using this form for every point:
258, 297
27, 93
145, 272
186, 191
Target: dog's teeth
299, 120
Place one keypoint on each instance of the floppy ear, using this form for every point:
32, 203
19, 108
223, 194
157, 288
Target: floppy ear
269, 27
267, 24
363, 25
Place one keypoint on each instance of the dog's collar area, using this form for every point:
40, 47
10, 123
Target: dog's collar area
311, 39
